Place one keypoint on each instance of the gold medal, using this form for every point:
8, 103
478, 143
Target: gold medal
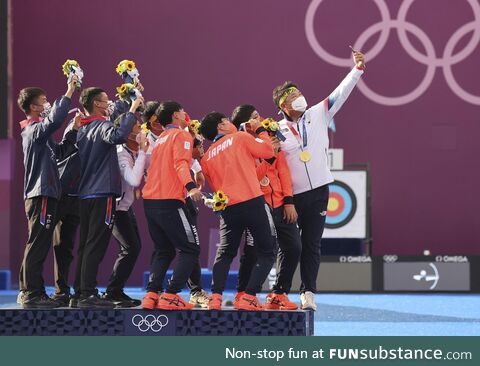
305, 156
265, 182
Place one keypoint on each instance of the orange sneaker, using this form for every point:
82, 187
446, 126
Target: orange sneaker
173, 302
279, 302
150, 301
237, 298
249, 302
215, 302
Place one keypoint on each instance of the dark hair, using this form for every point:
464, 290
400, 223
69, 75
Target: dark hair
242, 114
208, 128
166, 110
279, 90
150, 108
88, 96
27, 96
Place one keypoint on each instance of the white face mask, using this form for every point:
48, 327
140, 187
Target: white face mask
47, 107
300, 104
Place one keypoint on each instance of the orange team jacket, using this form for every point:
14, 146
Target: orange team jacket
229, 165
168, 176
279, 190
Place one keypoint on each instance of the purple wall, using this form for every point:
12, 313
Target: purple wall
215, 54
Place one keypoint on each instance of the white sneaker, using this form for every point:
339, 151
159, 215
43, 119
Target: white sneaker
20, 297
308, 301
199, 299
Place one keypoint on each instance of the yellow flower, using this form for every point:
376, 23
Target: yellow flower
220, 195
124, 89
67, 65
266, 124
125, 65
274, 126
195, 124
220, 201
145, 128
270, 124
219, 206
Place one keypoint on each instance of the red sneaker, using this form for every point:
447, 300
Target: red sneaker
173, 302
237, 298
249, 302
279, 302
150, 301
215, 302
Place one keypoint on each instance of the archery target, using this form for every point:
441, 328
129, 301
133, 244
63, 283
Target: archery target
347, 205
342, 205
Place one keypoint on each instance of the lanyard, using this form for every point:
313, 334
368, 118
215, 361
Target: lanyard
304, 131
300, 138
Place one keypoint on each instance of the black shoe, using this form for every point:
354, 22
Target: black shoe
124, 296
118, 300
95, 302
74, 301
63, 299
39, 302
121, 299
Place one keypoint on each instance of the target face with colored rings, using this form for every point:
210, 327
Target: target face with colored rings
342, 205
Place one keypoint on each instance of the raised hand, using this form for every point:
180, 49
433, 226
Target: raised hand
77, 119
358, 59
136, 104
71, 86
144, 144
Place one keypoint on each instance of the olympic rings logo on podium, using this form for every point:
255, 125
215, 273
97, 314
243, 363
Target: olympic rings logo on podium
430, 60
150, 322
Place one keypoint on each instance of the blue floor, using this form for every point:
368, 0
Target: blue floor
375, 314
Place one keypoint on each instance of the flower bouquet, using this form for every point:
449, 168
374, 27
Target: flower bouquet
272, 128
128, 92
217, 202
70, 68
128, 71
131, 88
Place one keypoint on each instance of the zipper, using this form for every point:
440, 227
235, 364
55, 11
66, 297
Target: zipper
308, 175
271, 194
304, 163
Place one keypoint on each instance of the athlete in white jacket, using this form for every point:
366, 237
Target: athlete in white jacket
131, 159
305, 149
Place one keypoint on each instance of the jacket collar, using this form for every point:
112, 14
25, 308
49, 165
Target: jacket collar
29, 121
90, 119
